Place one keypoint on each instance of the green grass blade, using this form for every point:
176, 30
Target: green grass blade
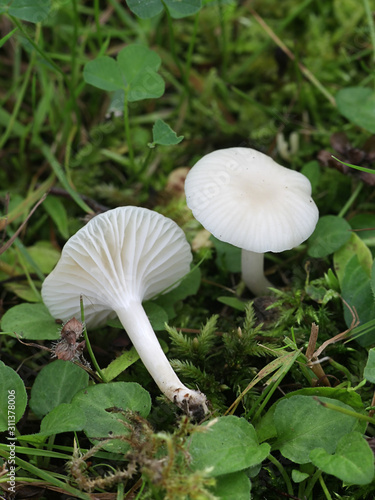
56, 167
46, 476
7, 36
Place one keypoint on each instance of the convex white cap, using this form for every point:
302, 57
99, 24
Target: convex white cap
245, 198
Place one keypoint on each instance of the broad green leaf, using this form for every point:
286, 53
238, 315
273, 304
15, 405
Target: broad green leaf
156, 314
134, 72
177, 8
57, 212
134, 61
299, 476
104, 404
188, 286
63, 418
13, 398
234, 486
31, 322
228, 256
145, 9
233, 302
319, 293
44, 255
104, 73
353, 461
23, 291
357, 104
357, 292
120, 364
330, 234
369, 371
266, 427
163, 134
347, 396
139, 66
302, 424
33, 11
228, 445
56, 383
354, 246
312, 171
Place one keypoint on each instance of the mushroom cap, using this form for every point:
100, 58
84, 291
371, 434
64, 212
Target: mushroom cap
245, 198
125, 254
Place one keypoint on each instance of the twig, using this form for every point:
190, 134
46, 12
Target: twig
11, 240
95, 205
313, 361
355, 322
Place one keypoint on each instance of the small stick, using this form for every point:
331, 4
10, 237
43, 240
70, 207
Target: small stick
313, 361
306, 72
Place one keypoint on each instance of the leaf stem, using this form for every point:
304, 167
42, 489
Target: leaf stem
88, 344
282, 471
146, 161
120, 492
351, 200
324, 488
127, 129
312, 482
345, 411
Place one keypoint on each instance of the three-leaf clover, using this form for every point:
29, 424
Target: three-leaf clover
134, 72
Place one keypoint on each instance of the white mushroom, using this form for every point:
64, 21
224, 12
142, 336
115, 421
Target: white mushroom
116, 261
245, 198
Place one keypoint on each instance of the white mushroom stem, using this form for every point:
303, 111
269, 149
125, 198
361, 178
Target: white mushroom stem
253, 272
142, 335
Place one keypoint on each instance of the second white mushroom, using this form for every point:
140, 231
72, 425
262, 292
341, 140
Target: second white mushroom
245, 198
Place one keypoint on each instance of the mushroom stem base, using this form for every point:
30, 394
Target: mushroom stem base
253, 272
140, 332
